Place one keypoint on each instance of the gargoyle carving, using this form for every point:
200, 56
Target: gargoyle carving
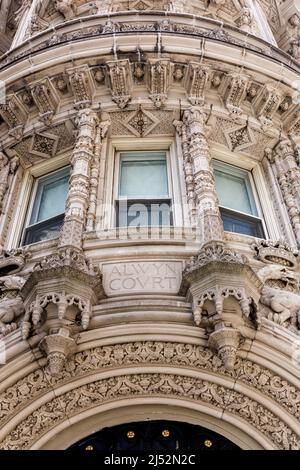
284, 306
273, 272
11, 303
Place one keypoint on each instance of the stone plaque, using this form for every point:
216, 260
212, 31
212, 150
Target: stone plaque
142, 277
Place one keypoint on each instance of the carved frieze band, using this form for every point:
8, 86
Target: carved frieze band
84, 363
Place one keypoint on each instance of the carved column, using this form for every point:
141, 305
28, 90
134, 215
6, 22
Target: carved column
79, 190
288, 175
7, 169
188, 170
95, 173
196, 153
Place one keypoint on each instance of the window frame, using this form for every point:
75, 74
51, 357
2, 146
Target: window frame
25, 194
249, 184
32, 201
260, 190
107, 214
142, 200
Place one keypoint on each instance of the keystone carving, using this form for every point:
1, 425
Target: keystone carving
177, 6
102, 6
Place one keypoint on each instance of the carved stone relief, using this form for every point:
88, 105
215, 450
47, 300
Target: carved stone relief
142, 122
11, 303
58, 298
262, 419
280, 295
209, 289
142, 277
121, 81
8, 168
43, 145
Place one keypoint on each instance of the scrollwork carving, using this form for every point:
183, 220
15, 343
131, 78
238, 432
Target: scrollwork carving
198, 390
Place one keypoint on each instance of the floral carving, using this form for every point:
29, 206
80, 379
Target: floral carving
93, 394
84, 363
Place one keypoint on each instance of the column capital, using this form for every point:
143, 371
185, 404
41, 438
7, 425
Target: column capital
284, 149
196, 117
86, 116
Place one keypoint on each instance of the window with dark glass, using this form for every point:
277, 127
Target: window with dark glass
239, 207
144, 190
47, 207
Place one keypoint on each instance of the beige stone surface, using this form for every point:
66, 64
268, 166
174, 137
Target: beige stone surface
104, 325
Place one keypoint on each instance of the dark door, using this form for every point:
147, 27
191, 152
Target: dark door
155, 436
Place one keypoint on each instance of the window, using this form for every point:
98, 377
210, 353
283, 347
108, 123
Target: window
239, 206
47, 207
144, 190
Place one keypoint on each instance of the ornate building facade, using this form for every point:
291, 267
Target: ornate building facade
150, 219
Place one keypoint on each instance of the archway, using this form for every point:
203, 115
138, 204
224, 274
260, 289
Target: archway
108, 385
